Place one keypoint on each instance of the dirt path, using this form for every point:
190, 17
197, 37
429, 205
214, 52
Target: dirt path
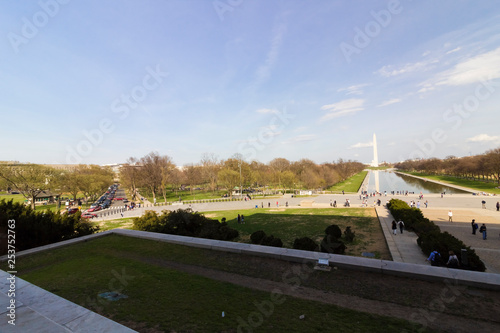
433, 319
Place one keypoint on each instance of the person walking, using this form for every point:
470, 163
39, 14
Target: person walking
401, 225
483, 203
474, 226
394, 227
426, 203
242, 219
498, 206
483, 231
450, 216
239, 219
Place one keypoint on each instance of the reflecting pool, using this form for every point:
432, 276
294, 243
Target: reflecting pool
382, 180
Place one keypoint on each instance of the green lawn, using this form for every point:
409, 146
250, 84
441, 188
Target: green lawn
475, 185
351, 184
292, 223
184, 195
165, 299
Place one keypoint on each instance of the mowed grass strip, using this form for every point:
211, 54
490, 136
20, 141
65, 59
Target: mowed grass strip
472, 184
170, 300
350, 185
291, 223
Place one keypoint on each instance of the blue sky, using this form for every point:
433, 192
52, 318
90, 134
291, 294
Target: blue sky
101, 81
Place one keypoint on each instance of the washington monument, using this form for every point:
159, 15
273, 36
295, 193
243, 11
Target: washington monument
375, 152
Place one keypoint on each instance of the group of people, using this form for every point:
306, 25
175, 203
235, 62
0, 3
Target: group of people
395, 226
482, 229
435, 259
241, 219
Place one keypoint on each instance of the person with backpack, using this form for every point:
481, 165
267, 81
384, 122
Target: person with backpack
434, 258
483, 231
474, 227
401, 225
452, 260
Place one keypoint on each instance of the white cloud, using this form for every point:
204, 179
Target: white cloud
454, 50
300, 138
426, 53
354, 90
481, 67
389, 70
342, 108
264, 111
362, 145
389, 102
264, 70
484, 138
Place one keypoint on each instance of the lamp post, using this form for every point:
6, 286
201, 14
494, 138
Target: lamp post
241, 190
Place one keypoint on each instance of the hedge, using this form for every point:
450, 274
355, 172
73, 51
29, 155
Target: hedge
431, 238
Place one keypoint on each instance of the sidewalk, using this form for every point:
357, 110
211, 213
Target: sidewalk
403, 247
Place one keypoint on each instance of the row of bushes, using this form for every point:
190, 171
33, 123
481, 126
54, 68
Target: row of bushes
185, 222
331, 243
38, 228
431, 238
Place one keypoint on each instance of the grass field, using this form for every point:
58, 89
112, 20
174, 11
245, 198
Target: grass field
350, 185
292, 223
168, 300
475, 185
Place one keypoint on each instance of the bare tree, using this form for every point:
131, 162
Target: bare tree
211, 167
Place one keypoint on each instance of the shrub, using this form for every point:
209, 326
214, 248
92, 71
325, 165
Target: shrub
349, 235
185, 223
305, 243
334, 231
257, 237
330, 244
38, 228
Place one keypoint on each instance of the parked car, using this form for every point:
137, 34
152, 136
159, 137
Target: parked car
88, 216
94, 209
72, 211
119, 199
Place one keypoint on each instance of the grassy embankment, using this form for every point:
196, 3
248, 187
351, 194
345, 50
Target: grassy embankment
350, 185
167, 299
472, 184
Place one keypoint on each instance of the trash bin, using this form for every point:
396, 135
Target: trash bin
465, 261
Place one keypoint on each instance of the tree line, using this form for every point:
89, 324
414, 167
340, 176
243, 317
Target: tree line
33, 179
485, 167
159, 174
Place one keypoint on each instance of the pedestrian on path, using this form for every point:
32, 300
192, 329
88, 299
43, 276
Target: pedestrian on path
498, 206
242, 219
239, 219
483, 203
450, 216
483, 231
426, 203
474, 226
401, 225
394, 227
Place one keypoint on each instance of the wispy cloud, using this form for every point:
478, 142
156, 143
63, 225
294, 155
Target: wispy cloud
484, 138
342, 108
361, 145
354, 90
264, 70
454, 50
390, 70
389, 102
265, 111
473, 70
300, 138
